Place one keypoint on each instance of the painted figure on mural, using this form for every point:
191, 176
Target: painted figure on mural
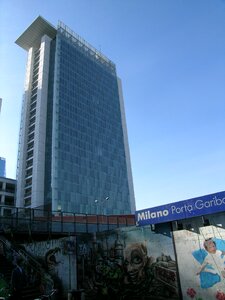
52, 261
139, 271
106, 279
50, 258
128, 272
102, 270
146, 276
18, 280
212, 269
136, 263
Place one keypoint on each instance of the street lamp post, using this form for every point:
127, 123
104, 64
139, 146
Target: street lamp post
100, 203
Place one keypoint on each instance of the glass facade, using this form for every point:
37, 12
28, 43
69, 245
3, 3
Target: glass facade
89, 162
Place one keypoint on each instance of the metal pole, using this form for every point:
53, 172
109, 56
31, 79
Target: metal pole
69, 272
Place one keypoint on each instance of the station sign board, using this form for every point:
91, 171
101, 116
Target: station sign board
185, 209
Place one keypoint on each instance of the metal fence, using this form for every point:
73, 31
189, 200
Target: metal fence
33, 220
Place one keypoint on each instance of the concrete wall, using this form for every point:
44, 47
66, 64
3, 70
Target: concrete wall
58, 259
192, 256
128, 263
152, 262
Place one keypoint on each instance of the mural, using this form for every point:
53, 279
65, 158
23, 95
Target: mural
131, 263
57, 259
203, 254
128, 263
49, 266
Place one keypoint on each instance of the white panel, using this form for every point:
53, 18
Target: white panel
127, 151
40, 125
21, 163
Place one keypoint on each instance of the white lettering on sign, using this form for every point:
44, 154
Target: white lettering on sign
181, 209
147, 215
199, 204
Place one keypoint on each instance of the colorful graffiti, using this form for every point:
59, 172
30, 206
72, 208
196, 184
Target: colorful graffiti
203, 254
57, 259
48, 268
128, 263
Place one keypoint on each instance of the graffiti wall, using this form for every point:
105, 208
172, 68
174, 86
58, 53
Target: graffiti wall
128, 263
201, 262
58, 260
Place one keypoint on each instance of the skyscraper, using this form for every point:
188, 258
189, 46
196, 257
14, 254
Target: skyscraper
73, 151
2, 160
2, 167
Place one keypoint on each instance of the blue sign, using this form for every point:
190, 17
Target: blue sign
190, 208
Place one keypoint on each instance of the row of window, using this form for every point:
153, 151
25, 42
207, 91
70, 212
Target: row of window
32, 118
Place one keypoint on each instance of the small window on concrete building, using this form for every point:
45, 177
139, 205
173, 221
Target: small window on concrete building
9, 200
10, 188
7, 212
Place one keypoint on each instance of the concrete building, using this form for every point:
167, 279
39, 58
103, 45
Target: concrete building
73, 151
7, 195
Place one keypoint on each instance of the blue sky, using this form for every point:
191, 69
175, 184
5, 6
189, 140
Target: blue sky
170, 55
